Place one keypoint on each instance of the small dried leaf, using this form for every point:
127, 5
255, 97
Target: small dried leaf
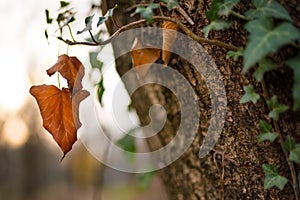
60, 113
169, 38
71, 69
60, 108
143, 56
76, 99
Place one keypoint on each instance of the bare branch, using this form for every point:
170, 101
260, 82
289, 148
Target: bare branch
142, 21
281, 141
177, 8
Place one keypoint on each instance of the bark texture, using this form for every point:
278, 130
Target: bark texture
241, 164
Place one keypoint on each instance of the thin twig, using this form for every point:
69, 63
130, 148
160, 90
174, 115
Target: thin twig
160, 10
238, 15
115, 22
70, 30
92, 37
281, 141
177, 8
184, 14
222, 175
69, 42
135, 23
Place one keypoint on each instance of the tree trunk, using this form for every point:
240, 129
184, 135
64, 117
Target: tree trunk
233, 170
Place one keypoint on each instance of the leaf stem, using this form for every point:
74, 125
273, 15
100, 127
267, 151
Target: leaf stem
115, 22
58, 80
70, 30
177, 8
238, 15
281, 141
161, 18
92, 37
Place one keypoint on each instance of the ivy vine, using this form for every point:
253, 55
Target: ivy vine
265, 38
270, 28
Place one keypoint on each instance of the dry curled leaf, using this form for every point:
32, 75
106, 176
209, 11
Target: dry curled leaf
143, 56
59, 112
60, 108
169, 37
71, 69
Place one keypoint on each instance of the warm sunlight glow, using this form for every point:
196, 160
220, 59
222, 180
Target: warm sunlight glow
13, 83
15, 132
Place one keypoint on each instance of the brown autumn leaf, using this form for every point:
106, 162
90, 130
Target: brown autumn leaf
143, 55
71, 69
60, 113
60, 108
169, 38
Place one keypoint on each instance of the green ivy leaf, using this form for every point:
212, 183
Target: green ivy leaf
276, 108
66, 17
266, 136
46, 34
129, 107
266, 132
250, 95
212, 13
171, 3
293, 148
127, 143
63, 4
108, 14
289, 144
265, 127
294, 63
68, 21
95, 63
216, 25
48, 19
272, 177
264, 65
264, 39
258, 3
274, 114
145, 179
266, 8
235, 54
295, 154
146, 12
88, 24
226, 7
60, 17
100, 90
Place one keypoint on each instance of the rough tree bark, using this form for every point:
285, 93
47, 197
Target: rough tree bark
193, 178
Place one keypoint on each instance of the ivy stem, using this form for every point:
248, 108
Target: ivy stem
177, 8
160, 10
93, 39
238, 15
162, 18
67, 51
58, 80
281, 141
115, 22
70, 30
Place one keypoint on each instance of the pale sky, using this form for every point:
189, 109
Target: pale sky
26, 55
24, 49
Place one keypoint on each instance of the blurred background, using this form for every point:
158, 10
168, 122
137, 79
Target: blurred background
30, 165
